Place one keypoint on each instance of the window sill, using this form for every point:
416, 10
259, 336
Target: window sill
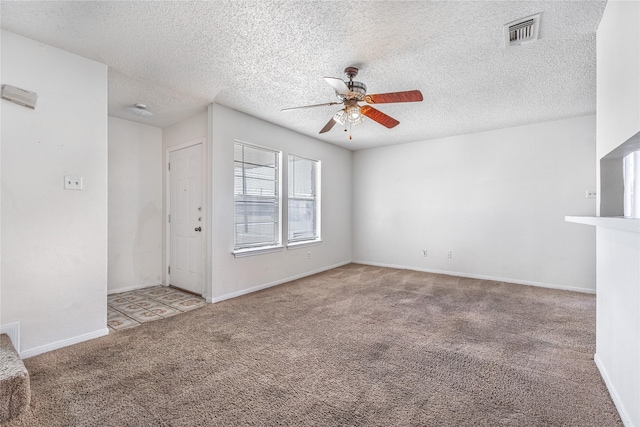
297, 245
241, 253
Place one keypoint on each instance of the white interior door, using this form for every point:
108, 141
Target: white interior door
186, 218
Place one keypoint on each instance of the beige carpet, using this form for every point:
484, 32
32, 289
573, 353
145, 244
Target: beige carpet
354, 346
15, 389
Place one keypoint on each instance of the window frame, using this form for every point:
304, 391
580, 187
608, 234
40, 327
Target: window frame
316, 199
258, 248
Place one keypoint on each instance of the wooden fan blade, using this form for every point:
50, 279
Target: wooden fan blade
338, 85
385, 98
328, 126
379, 116
310, 106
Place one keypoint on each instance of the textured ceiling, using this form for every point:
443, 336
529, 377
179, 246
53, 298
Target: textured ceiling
261, 56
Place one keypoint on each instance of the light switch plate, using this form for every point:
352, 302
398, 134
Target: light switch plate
72, 182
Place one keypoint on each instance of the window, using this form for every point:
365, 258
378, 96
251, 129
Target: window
304, 203
256, 197
631, 172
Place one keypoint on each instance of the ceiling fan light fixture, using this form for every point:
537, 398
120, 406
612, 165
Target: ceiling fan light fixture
340, 116
350, 93
140, 110
350, 114
354, 116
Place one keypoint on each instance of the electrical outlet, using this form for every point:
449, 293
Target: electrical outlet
449, 255
309, 255
591, 194
72, 182
424, 252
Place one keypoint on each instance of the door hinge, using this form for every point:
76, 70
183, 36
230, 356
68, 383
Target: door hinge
168, 166
169, 270
169, 217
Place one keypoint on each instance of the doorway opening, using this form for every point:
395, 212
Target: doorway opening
185, 217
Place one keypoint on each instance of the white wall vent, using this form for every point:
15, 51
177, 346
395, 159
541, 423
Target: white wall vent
19, 96
523, 30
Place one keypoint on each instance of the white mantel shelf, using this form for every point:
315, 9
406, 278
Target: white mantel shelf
618, 223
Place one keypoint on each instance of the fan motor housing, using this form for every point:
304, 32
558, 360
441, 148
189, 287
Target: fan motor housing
357, 91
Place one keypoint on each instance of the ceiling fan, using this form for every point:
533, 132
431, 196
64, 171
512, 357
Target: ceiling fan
350, 93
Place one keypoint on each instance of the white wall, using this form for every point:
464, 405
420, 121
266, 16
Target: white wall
135, 205
234, 276
618, 319
185, 131
54, 241
618, 68
618, 251
618, 96
496, 200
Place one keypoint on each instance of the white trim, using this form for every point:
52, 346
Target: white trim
303, 244
261, 147
275, 283
187, 144
241, 253
63, 343
205, 209
208, 203
617, 223
131, 288
13, 330
626, 420
479, 276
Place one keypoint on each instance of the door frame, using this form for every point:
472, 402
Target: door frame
205, 212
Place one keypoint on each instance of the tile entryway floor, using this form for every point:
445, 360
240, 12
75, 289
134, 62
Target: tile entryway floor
132, 308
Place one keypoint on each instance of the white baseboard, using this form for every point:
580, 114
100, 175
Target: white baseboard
612, 391
13, 331
275, 283
64, 343
482, 277
131, 288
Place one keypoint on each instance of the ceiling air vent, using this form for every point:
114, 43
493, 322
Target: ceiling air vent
522, 31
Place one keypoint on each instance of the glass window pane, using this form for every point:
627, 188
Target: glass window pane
301, 219
303, 209
259, 156
255, 235
259, 187
256, 203
302, 177
249, 212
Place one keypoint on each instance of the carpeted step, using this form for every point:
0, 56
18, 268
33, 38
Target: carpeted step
15, 387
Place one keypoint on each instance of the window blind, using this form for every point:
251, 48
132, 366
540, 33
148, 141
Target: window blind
303, 199
256, 196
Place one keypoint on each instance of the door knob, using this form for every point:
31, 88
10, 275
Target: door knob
198, 229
